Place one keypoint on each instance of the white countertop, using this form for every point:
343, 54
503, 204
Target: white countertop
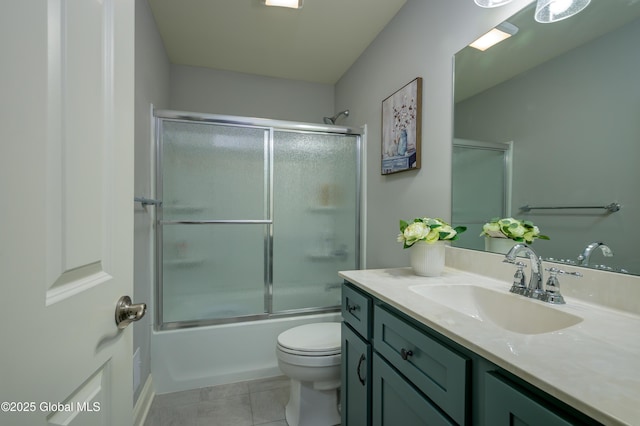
593, 366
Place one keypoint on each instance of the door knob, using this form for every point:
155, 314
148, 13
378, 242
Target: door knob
127, 312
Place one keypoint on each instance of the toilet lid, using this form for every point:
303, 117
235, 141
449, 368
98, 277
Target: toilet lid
316, 338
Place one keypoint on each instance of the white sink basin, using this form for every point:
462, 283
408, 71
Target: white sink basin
509, 311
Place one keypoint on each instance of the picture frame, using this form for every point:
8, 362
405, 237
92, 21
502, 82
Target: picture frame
402, 129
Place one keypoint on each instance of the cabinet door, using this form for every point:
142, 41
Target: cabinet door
396, 402
356, 379
508, 406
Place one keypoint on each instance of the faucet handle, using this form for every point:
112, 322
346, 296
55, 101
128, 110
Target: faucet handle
552, 293
518, 286
554, 271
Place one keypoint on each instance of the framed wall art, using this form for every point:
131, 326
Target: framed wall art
401, 129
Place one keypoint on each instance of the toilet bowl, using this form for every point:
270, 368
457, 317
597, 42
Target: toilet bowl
310, 356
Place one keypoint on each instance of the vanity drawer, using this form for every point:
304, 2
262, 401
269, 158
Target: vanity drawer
356, 310
507, 404
438, 371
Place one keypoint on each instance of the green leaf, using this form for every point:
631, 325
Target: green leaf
403, 225
460, 229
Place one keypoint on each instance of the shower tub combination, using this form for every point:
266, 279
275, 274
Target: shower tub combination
257, 217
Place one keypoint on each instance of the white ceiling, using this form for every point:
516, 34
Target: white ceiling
317, 43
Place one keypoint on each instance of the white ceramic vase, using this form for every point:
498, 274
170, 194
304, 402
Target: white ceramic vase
498, 245
427, 260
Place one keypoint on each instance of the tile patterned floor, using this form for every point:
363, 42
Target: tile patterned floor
252, 403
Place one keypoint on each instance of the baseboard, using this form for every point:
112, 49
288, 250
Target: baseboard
143, 404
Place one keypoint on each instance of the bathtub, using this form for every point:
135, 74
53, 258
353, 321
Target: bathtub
198, 357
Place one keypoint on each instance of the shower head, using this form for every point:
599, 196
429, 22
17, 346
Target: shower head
332, 120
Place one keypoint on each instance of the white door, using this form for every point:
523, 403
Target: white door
66, 212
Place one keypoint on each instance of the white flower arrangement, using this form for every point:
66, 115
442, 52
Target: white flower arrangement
428, 230
514, 229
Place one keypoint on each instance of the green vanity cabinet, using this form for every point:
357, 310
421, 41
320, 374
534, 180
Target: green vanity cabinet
398, 371
355, 392
379, 352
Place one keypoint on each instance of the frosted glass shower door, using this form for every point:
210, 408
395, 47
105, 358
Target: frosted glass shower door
315, 181
214, 220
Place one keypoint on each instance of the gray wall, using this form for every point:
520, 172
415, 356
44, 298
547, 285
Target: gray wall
230, 93
574, 124
419, 42
152, 87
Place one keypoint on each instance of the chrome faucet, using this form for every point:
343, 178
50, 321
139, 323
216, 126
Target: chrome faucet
534, 288
588, 250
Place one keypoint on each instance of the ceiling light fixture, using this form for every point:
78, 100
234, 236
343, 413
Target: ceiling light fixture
548, 11
495, 36
491, 3
293, 4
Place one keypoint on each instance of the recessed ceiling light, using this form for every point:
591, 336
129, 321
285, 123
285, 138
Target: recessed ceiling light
495, 36
293, 4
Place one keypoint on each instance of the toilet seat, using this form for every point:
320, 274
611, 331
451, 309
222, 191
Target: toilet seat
319, 339
308, 353
311, 340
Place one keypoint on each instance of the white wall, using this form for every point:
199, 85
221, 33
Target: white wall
419, 42
152, 87
230, 93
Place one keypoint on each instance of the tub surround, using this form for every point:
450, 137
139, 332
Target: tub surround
591, 366
199, 357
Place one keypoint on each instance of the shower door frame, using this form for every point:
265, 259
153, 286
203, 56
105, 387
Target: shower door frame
270, 127
506, 149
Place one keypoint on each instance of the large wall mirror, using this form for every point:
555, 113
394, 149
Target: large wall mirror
550, 119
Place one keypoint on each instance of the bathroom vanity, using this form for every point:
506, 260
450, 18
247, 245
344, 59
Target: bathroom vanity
461, 350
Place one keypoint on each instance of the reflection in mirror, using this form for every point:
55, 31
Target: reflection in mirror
566, 96
480, 165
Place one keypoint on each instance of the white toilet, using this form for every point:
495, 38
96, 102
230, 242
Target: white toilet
310, 356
